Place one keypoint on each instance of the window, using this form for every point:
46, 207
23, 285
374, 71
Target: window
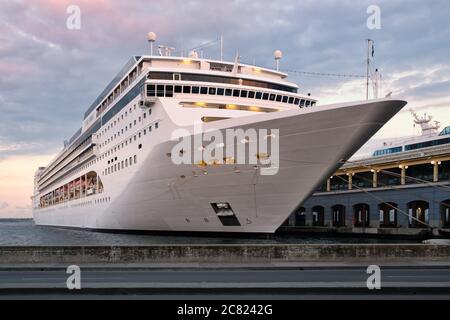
296, 101
126, 163
135, 159
251, 94
212, 91
178, 89
244, 93
291, 100
220, 91
258, 95
236, 92
186, 89
169, 91
203, 90
308, 103
151, 91
140, 146
228, 92
265, 96
150, 129
221, 79
195, 90
131, 161
159, 91
156, 125
285, 99
302, 103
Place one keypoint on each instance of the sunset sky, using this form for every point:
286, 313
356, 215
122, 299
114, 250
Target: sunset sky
49, 74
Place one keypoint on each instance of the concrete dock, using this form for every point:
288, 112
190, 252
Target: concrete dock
248, 253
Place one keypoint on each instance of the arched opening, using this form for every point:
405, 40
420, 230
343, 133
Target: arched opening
300, 217
338, 212
388, 215
318, 216
418, 212
445, 213
361, 217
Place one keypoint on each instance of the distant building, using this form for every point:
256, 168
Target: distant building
401, 188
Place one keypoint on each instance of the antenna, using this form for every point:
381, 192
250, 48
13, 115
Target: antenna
370, 46
167, 50
151, 38
278, 55
221, 47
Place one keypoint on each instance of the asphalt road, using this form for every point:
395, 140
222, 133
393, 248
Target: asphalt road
220, 283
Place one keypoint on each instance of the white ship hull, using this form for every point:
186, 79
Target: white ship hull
157, 195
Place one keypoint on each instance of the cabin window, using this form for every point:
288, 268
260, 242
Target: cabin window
285, 99
272, 97
178, 89
186, 89
244, 93
195, 90
212, 91
159, 91
251, 94
265, 96
150, 91
236, 93
169, 91
203, 90
220, 91
228, 92
258, 95
291, 100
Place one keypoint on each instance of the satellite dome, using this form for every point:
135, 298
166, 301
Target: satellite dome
151, 36
278, 54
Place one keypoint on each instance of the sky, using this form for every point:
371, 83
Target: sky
50, 72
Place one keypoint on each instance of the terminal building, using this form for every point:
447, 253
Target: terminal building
400, 188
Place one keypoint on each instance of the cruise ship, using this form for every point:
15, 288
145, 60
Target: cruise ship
117, 172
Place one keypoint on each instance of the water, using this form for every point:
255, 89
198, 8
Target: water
23, 232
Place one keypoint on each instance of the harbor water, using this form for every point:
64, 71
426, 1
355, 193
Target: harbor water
23, 232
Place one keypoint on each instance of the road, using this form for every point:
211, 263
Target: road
222, 283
